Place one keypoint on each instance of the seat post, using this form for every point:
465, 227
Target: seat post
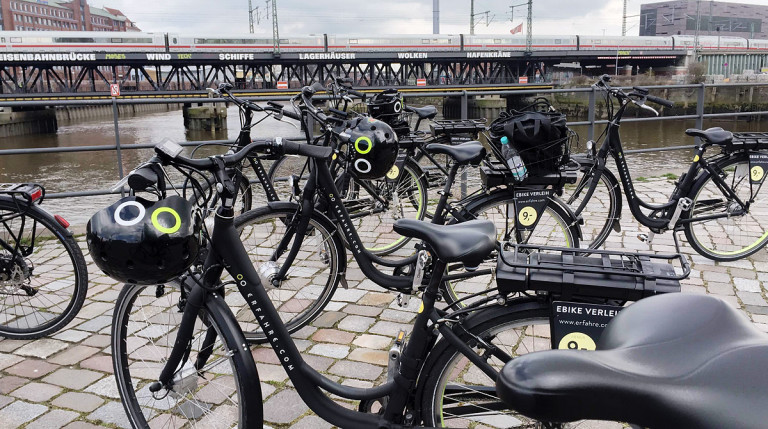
439, 217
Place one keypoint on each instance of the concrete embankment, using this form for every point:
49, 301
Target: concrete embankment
70, 113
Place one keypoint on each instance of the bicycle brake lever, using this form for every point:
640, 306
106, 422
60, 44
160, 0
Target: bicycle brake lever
647, 107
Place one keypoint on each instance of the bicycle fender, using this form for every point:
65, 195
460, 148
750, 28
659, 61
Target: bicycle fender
40, 211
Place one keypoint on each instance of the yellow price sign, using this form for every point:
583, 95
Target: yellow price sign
577, 341
393, 173
756, 173
527, 216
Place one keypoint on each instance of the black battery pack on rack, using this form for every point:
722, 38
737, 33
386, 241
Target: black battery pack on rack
748, 141
457, 130
569, 274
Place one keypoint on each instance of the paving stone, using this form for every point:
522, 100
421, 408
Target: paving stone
319, 363
751, 298
11, 383
373, 341
311, 422
376, 357
334, 306
82, 425
98, 363
389, 329
269, 372
304, 332
743, 273
71, 335
333, 336
95, 324
284, 407
53, 420
5, 400
356, 323
348, 295
96, 309
360, 370
720, 289
99, 341
376, 299
73, 355
83, 402
31, 368
111, 413
398, 316
36, 392
107, 387
11, 345
361, 310
7, 359
20, 412
266, 355
42, 348
747, 285
76, 379
327, 320
336, 351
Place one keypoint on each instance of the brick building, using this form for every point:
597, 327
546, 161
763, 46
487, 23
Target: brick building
715, 18
58, 15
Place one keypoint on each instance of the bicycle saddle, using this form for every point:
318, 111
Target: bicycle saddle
467, 242
426, 112
465, 153
715, 135
669, 361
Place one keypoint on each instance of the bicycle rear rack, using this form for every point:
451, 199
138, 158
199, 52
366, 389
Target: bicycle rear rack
749, 141
29, 192
569, 272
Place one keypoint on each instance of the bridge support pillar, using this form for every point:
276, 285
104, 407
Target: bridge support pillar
28, 121
205, 118
488, 107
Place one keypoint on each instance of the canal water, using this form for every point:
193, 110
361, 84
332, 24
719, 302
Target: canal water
79, 171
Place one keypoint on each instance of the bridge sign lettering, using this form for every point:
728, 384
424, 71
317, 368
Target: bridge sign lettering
114, 89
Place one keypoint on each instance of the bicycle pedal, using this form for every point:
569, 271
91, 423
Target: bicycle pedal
403, 300
642, 237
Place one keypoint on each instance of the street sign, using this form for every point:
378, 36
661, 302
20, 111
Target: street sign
523, 79
282, 84
114, 89
421, 82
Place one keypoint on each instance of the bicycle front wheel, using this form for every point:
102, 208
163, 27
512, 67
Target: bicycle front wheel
554, 228
602, 211
734, 231
456, 393
220, 391
310, 281
43, 275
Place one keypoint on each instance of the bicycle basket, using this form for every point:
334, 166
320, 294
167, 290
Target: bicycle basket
541, 138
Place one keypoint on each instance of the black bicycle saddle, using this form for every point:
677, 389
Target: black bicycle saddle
669, 361
715, 135
466, 153
426, 112
467, 242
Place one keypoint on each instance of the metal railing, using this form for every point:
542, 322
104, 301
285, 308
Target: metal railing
591, 121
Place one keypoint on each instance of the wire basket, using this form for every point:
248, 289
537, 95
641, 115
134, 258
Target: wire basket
542, 159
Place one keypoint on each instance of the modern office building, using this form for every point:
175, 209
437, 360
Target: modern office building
713, 17
58, 15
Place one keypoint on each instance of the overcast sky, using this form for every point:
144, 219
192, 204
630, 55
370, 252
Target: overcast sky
369, 17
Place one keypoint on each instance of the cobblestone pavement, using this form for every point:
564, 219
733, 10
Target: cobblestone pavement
66, 380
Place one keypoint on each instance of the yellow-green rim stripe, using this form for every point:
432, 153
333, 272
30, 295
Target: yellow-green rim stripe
162, 228
357, 145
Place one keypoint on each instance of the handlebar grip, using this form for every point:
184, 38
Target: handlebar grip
303, 149
660, 101
275, 104
357, 94
291, 114
339, 113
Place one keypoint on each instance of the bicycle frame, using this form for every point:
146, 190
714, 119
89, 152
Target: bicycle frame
612, 144
227, 251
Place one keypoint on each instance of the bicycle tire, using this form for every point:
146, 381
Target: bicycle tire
143, 333
453, 392
557, 227
299, 299
39, 295
735, 236
602, 213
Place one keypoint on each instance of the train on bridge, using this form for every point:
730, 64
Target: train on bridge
68, 41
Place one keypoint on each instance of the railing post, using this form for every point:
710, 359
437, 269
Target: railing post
117, 139
700, 107
591, 115
464, 115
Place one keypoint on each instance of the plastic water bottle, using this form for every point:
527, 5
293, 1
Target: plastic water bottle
515, 163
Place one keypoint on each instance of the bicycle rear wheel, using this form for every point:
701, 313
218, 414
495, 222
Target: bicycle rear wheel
223, 393
554, 228
456, 393
732, 235
43, 275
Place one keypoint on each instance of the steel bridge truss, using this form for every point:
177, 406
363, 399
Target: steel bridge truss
48, 78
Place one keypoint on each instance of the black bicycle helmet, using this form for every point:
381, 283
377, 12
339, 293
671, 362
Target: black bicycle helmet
144, 242
385, 105
373, 147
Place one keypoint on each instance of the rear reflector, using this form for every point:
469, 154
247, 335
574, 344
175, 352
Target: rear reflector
36, 194
63, 222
